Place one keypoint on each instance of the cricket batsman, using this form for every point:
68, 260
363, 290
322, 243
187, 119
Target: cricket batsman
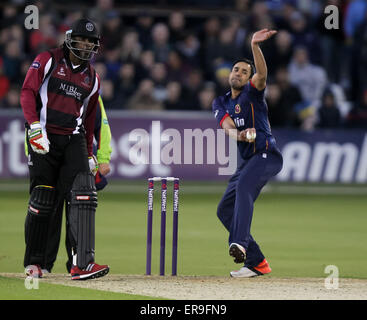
102, 150
243, 114
59, 99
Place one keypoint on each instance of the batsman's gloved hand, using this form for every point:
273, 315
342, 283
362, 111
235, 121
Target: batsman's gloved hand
38, 138
93, 164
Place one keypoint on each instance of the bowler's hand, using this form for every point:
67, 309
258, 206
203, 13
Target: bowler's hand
262, 35
245, 134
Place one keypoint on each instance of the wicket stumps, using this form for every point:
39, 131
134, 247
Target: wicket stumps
176, 187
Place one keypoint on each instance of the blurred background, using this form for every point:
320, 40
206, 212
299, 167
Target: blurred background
178, 53
175, 56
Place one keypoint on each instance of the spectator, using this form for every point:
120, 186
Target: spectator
160, 47
193, 50
207, 37
143, 26
290, 96
113, 63
145, 65
109, 96
355, 15
221, 78
189, 49
357, 117
223, 50
242, 5
206, 96
159, 77
310, 79
191, 89
130, 48
12, 61
99, 12
173, 100
278, 114
236, 23
12, 99
210, 30
111, 30
282, 21
259, 14
302, 36
176, 24
125, 85
329, 114
143, 98
9, 16
17, 33
283, 49
101, 69
177, 69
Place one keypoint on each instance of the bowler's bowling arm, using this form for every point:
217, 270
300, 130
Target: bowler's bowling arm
230, 129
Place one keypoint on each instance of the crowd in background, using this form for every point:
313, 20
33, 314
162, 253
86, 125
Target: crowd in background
177, 61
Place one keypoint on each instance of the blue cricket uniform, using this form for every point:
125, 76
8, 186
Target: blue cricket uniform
258, 162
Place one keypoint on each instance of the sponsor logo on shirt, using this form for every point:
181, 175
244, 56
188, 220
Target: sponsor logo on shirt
240, 122
70, 91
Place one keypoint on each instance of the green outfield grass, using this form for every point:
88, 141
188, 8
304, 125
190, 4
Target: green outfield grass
299, 234
14, 289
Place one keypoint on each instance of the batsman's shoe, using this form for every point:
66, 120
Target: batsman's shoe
34, 271
238, 252
92, 271
249, 272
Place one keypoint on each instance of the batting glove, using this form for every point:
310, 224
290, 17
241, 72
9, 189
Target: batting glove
93, 164
38, 139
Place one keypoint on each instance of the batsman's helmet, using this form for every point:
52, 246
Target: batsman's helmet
84, 28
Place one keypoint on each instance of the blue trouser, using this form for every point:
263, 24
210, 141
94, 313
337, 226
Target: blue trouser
235, 210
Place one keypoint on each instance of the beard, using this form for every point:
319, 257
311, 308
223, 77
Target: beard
236, 85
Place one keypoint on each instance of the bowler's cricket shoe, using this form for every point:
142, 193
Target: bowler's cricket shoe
92, 271
238, 252
249, 272
34, 271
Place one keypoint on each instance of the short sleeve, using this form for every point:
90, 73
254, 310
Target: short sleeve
220, 113
254, 92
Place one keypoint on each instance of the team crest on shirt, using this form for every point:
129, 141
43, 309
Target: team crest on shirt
237, 108
61, 72
87, 80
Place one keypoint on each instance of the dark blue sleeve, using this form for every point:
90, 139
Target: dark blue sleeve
254, 92
257, 96
220, 113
